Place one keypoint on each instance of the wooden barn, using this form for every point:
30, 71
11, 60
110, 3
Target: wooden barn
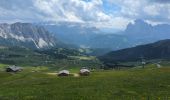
13, 69
84, 72
64, 73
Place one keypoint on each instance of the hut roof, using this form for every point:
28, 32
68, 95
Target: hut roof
64, 71
14, 68
84, 70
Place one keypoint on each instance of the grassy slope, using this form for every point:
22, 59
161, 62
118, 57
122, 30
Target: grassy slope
100, 85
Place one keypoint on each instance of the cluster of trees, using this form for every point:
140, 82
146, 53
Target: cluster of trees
114, 65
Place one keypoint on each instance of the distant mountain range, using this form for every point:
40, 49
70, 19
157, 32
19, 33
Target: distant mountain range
86, 36
141, 32
62, 33
157, 50
136, 33
26, 35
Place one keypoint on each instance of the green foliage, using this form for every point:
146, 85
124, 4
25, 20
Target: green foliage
54, 58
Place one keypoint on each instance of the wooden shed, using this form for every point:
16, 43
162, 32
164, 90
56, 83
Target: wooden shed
13, 69
84, 72
64, 73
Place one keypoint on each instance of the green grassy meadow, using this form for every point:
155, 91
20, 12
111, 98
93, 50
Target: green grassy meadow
150, 83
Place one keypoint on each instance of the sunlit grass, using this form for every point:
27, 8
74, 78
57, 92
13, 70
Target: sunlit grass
100, 85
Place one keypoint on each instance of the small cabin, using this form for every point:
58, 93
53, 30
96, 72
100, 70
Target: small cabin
64, 73
84, 72
13, 69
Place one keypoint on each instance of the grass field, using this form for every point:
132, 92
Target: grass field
133, 84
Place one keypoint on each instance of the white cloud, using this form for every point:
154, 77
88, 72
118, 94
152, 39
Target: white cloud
90, 12
118, 23
72, 10
152, 10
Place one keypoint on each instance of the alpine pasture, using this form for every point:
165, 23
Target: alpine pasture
150, 83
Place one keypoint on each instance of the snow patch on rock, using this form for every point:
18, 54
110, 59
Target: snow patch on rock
3, 34
42, 43
19, 38
21, 35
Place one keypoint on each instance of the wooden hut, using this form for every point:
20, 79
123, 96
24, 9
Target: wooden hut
64, 73
84, 72
13, 69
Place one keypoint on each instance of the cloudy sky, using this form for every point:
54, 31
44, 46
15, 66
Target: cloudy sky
99, 13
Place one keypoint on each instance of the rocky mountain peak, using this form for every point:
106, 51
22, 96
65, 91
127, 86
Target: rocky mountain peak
27, 32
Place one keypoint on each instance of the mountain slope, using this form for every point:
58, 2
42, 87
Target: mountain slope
27, 35
157, 50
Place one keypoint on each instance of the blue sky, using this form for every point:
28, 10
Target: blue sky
98, 13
